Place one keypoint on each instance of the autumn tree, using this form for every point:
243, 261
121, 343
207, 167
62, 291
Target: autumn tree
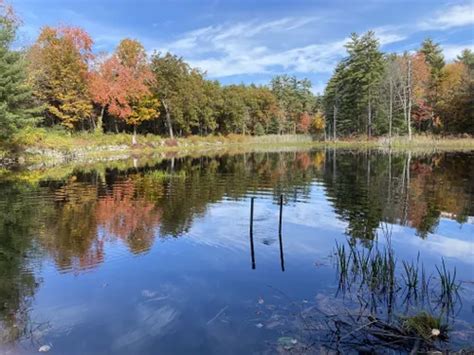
59, 62
423, 113
17, 108
304, 123
456, 103
294, 97
263, 108
138, 77
318, 124
108, 87
121, 85
434, 58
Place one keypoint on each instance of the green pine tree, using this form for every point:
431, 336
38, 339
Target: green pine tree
16, 103
351, 91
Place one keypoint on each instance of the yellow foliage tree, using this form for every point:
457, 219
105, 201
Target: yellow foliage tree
58, 72
319, 122
144, 109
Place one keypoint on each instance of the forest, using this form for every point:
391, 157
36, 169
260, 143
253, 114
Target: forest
60, 82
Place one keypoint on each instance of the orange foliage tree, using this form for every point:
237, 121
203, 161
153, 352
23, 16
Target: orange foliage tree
304, 123
120, 85
58, 71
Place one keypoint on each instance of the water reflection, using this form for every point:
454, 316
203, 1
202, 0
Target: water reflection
17, 250
72, 219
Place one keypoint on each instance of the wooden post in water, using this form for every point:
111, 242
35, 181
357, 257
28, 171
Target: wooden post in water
282, 260
252, 251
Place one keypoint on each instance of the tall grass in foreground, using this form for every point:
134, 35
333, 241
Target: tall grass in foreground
417, 307
384, 281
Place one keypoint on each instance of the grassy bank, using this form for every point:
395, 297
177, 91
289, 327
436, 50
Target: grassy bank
51, 146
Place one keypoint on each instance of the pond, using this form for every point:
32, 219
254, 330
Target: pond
157, 257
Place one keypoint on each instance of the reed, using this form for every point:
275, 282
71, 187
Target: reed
376, 275
449, 286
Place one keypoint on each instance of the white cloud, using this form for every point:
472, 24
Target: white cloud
292, 44
451, 51
455, 16
253, 47
390, 34
256, 48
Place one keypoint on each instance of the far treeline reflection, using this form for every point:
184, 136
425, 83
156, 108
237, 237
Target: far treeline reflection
71, 219
82, 210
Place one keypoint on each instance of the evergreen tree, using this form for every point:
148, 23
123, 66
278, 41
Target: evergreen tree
467, 58
351, 93
16, 104
433, 54
365, 68
435, 59
294, 97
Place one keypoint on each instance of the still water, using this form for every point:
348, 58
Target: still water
156, 257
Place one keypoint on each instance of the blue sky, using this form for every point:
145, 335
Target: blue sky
250, 41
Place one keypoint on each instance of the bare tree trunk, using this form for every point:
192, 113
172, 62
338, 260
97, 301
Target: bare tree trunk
134, 136
100, 120
409, 99
168, 119
369, 118
402, 96
390, 112
334, 117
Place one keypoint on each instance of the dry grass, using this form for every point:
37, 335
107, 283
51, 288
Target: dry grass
41, 144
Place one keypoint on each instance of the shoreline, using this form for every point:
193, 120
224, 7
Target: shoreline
53, 149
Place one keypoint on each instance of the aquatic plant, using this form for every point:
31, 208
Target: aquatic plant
448, 288
425, 326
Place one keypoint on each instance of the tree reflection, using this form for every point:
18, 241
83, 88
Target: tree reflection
68, 231
370, 187
139, 204
74, 217
122, 215
18, 282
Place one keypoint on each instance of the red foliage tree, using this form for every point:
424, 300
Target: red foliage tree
119, 83
304, 123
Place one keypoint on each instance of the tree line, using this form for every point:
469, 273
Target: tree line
377, 93
60, 81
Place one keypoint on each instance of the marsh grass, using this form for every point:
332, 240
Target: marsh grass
59, 139
400, 305
379, 280
449, 286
